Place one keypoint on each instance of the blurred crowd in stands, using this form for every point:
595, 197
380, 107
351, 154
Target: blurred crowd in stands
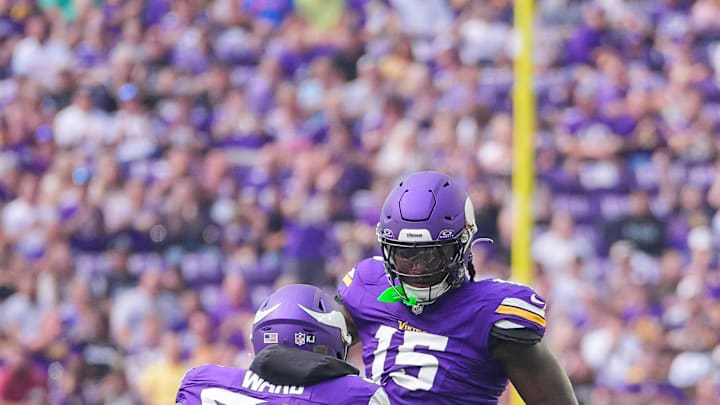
165, 164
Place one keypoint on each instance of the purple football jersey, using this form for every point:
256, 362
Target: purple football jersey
220, 385
440, 356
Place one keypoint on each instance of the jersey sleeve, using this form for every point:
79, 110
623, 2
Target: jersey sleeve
353, 287
346, 289
201, 377
187, 394
518, 309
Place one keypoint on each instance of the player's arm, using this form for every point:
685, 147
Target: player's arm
516, 343
534, 371
349, 293
352, 329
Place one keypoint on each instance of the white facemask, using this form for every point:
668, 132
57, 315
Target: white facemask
427, 295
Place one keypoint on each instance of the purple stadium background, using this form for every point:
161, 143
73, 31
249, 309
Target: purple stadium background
165, 164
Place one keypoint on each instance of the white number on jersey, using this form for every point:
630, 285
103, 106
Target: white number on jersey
408, 357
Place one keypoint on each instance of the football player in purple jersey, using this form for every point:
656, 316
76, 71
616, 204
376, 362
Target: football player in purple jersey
301, 340
430, 333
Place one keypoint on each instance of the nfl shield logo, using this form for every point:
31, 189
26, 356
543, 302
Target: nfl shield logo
299, 338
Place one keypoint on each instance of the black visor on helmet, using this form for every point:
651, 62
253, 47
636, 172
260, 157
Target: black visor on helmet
421, 265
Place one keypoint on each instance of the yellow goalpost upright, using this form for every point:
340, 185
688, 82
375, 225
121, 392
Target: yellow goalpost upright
523, 175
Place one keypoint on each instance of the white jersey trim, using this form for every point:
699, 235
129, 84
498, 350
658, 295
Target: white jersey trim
517, 302
505, 324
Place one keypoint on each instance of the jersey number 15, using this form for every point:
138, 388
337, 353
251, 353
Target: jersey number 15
408, 357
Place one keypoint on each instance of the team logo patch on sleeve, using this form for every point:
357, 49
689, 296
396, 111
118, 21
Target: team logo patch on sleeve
522, 309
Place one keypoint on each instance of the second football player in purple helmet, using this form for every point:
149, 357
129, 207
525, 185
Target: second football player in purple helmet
300, 340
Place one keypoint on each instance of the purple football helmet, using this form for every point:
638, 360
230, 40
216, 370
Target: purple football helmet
425, 231
301, 316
